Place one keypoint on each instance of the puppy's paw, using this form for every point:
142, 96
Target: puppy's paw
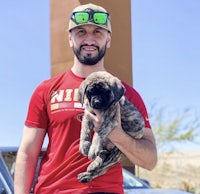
85, 147
93, 153
95, 164
84, 177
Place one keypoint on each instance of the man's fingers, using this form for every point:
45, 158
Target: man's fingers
96, 118
91, 116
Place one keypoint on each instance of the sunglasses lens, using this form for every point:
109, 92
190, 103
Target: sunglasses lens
81, 17
100, 18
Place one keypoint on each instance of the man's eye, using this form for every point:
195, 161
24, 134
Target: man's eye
97, 31
81, 32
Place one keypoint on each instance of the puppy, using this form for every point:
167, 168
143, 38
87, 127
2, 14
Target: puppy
102, 91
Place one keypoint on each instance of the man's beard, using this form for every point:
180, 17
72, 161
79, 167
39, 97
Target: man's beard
88, 59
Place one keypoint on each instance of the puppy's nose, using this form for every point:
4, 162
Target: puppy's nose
96, 102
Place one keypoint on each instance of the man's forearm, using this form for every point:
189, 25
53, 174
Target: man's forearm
140, 152
24, 173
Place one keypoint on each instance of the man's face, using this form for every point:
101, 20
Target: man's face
89, 43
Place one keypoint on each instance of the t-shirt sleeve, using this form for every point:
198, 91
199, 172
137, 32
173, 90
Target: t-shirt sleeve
134, 97
37, 110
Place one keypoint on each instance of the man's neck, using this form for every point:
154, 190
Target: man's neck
83, 70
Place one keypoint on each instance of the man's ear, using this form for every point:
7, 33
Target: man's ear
70, 40
108, 41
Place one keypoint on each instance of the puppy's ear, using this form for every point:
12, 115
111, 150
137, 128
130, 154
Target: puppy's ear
118, 90
81, 92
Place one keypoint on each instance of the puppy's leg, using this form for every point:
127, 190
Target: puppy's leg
85, 136
99, 137
111, 158
96, 146
101, 164
91, 169
110, 121
132, 120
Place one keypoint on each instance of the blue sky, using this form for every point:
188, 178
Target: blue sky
166, 50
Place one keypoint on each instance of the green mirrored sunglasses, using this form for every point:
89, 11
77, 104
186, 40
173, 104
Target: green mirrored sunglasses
82, 17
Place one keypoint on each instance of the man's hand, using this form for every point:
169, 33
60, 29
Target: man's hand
96, 118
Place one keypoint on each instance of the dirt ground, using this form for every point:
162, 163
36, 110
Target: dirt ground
175, 170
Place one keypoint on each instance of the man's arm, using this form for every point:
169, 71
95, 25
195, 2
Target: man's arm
27, 158
141, 152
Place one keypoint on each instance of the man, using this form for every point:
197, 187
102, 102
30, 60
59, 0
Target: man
54, 110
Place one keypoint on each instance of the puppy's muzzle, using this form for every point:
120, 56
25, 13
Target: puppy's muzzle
97, 102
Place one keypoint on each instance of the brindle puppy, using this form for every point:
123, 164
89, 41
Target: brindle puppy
102, 91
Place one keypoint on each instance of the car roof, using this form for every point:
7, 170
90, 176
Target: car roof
9, 149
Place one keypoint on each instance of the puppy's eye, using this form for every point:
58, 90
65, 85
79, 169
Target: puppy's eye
92, 91
89, 95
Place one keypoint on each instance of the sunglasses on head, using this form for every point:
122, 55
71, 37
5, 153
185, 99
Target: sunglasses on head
82, 17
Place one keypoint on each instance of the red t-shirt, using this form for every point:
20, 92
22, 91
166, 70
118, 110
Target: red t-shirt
54, 107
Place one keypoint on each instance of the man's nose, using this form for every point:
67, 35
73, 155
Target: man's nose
89, 39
